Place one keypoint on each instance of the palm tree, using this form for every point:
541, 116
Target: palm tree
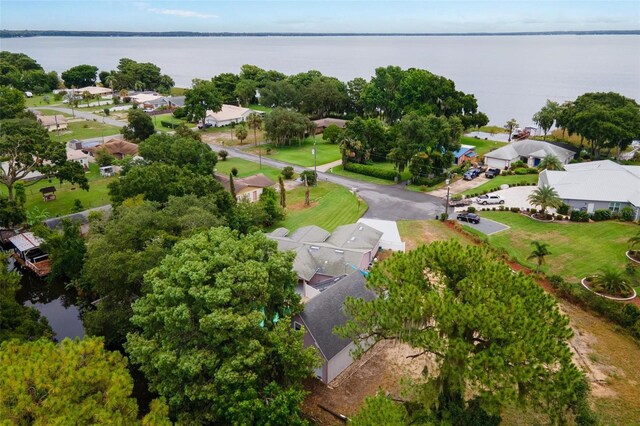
545, 196
550, 162
511, 124
241, 132
611, 281
634, 241
254, 120
540, 250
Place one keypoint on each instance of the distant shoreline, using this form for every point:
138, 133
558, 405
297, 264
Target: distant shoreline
62, 33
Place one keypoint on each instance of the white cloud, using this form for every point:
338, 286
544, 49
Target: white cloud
182, 13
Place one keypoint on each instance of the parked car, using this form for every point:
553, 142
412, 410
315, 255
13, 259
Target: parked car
490, 199
491, 173
468, 217
471, 174
460, 203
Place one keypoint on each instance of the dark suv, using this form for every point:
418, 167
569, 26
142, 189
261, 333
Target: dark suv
468, 217
491, 173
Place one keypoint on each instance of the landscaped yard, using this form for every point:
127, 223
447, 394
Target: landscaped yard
501, 180
339, 170
482, 146
45, 111
38, 100
331, 206
246, 168
158, 119
577, 249
66, 194
86, 130
300, 153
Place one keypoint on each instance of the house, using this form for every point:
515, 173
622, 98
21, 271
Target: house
596, 185
390, 239
227, 115
145, 97
320, 317
169, 102
93, 90
465, 153
117, 147
53, 122
27, 252
322, 256
249, 188
531, 152
78, 156
323, 123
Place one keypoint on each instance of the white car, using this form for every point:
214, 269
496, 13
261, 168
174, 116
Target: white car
489, 199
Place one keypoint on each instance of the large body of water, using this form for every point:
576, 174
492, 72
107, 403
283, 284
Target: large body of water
511, 76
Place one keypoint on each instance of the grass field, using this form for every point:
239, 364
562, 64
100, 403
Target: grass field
331, 206
300, 154
157, 119
38, 100
67, 193
261, 108
577, 249
45, 111
482, 146
339, 170
501, 180
418, 232
93, 129
246, 168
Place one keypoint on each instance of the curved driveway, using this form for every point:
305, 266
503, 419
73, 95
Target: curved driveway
391, 202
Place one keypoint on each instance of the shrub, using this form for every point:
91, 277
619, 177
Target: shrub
579, 216
532, 171
600, 215
515, 209
107, 111
169, 124
77, 206
234, 171
368, 170
310, 175
626, 214
428, 181
517, 164
116, 100
287, 172
443, 217
457, 197
223, 154
268, 150
521, 171
471, 209
57, 97
126, 99
180, 113
563, 209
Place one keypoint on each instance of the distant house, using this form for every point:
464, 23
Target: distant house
78, 156
92, 90
117, 147
322, 256
320, 317
27, 252
227, 115
145, 97
53, 122
323, 123
465, 153
531, 152
249, 188
596, 185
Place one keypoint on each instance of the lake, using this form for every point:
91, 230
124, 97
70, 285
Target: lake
511, 76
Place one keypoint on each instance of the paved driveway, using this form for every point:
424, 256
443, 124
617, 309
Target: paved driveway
486, 226
513, 197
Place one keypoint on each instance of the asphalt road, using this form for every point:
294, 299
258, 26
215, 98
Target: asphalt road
86, 115
385, 202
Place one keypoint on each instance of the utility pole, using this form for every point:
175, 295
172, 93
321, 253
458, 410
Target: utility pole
315, 171
448, 181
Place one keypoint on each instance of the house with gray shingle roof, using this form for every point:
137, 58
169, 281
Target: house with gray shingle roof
249, 188
321, 256
320, 317
531, 152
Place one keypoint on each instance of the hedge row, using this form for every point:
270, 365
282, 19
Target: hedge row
169, 124
428, 181
373, 171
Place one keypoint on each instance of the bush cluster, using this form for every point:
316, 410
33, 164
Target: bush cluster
310, 175
563, 209
169, 124
579, 216
365, 169
600, 215
287, 172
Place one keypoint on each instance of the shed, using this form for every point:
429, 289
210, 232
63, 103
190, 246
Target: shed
48, 193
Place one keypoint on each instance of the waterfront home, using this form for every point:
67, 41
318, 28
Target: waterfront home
249, 188
228, 114
531, 152
26, 251
323, 123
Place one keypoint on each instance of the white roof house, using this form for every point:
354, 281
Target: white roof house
227, 115
529, 151
93, 90
596, 185
142, 98
26, 241
78, 156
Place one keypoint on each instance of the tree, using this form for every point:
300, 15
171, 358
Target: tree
355, 88
187, 153
547, 115
540, 251
254, 120
271, 204
225, 84
25, 147
23, 73
232, 187
634, 241
550, 162
215, 338
333, 134
17, 321
146, 76
140, 126
12, 213
87, 97
511, 124
241, 132
545, 196
283, 193
245, 92
104, 157
283, 94
283, 126
66, 251
201, 98
12, 102
324, 95
381, 410
496, 337
74, 382
80, 76
611, 281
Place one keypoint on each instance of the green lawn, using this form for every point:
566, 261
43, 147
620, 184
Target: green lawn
157, 119
577, 249
38, 100
482, 146
501, 180
339, 170
490, 129
53, 112
66, 194
300, 153
86, 130
331, 206
246, 168
261, 108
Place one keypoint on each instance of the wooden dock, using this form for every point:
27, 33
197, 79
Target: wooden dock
41, 268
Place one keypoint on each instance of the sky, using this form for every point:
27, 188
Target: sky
417, 16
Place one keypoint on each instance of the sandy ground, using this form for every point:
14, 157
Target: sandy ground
458, 186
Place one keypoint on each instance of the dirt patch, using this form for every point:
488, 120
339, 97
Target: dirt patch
300, 206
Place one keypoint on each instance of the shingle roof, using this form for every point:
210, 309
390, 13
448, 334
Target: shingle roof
116, 146
228, 112
258, 181
596, 181
355, 235
26, 241
326, 122
528, 148
326, 311
52, 120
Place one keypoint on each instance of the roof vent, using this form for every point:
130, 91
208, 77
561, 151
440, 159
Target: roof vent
339, 251
353, 238
314, 248
360, 229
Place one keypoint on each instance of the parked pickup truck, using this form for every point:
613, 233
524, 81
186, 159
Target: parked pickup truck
490, 199
491, 173
460, 203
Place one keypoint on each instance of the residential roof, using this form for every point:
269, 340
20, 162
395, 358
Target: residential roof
52, 120
145, 97
258, 181
530, 148
228, 112
48, 189
75, 154
326, 311
175, 100
355, 236
464, 149
116, 146
596, 181
326, 122
26, 241
94, 90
